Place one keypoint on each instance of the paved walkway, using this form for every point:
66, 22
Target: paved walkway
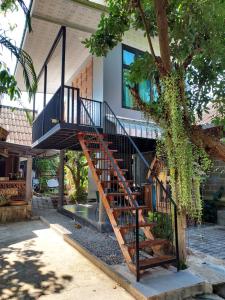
207, 239
35, 263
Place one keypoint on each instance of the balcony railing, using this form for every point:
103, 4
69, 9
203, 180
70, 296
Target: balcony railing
66, 111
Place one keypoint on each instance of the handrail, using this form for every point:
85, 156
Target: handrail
49, 102
89, 99
139, 153
110, 158
161, 185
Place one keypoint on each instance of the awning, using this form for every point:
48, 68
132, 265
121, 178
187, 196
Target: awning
142, 129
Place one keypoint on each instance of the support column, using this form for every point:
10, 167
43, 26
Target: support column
102, 214
29, 179
103, 218
61, 179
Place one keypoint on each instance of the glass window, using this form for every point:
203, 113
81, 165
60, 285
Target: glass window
127, 98
128, 57
144, 90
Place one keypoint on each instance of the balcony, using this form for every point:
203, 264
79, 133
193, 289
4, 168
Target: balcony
63, 116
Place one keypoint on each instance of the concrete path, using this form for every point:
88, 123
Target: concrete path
35, 263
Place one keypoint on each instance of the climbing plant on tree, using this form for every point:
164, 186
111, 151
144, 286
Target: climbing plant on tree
187, 69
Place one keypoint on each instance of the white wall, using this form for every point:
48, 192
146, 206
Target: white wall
112, 74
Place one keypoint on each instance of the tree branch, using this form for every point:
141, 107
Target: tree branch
137, 4
145, 108
162, 24
190, 57
158, 61
212, 145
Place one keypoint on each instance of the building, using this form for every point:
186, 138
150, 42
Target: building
213, 189
15, 163
87, 107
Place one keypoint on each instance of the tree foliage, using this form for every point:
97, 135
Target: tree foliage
7, 81
187, 69
45, 168
76, 169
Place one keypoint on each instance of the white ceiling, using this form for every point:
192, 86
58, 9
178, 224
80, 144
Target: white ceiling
47, 18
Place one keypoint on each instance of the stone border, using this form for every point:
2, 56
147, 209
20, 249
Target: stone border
181, 293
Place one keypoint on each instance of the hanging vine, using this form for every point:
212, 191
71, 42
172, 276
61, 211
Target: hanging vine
186, 163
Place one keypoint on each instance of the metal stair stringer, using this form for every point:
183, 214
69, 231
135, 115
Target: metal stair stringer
124, 185
105, 201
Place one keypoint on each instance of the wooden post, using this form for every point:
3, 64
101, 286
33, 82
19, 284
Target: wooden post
61, 179
29, 179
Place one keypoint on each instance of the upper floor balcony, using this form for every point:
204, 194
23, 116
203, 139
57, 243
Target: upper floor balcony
56, 125
67, 112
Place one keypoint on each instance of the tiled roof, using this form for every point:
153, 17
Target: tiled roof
15, 121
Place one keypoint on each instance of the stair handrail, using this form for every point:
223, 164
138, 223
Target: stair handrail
139, 153
111, 159
157, 179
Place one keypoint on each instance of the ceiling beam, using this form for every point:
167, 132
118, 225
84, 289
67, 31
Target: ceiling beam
63, 23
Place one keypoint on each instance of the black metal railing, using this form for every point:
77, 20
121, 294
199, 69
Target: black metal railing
152, 192
132, 169
71, 111
94, 109
47, 118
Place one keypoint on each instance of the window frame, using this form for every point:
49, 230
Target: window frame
126, 67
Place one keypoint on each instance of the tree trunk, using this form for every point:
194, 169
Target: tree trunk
182, 225
211, 144
162, 24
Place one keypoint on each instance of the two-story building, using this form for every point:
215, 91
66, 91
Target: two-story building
87, 107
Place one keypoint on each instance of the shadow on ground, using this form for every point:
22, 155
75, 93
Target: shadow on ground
22, 275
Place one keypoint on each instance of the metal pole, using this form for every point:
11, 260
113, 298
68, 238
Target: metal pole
61, 180
44, 100
34, 100
137, 246
45, 83
78, 106
63, 74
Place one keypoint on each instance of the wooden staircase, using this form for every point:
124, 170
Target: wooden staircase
129, 218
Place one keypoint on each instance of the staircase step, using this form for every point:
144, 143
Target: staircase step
132, 226
111, 170
107, 159
117, 181
127, 208
85, 134
122, 194
146, 244
100, 149
96, 142
155, 262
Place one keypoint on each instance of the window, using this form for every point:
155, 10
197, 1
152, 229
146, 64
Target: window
144, 88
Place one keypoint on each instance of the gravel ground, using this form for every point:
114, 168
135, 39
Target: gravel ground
102, 245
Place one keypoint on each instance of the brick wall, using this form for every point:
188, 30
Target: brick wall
84, 80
